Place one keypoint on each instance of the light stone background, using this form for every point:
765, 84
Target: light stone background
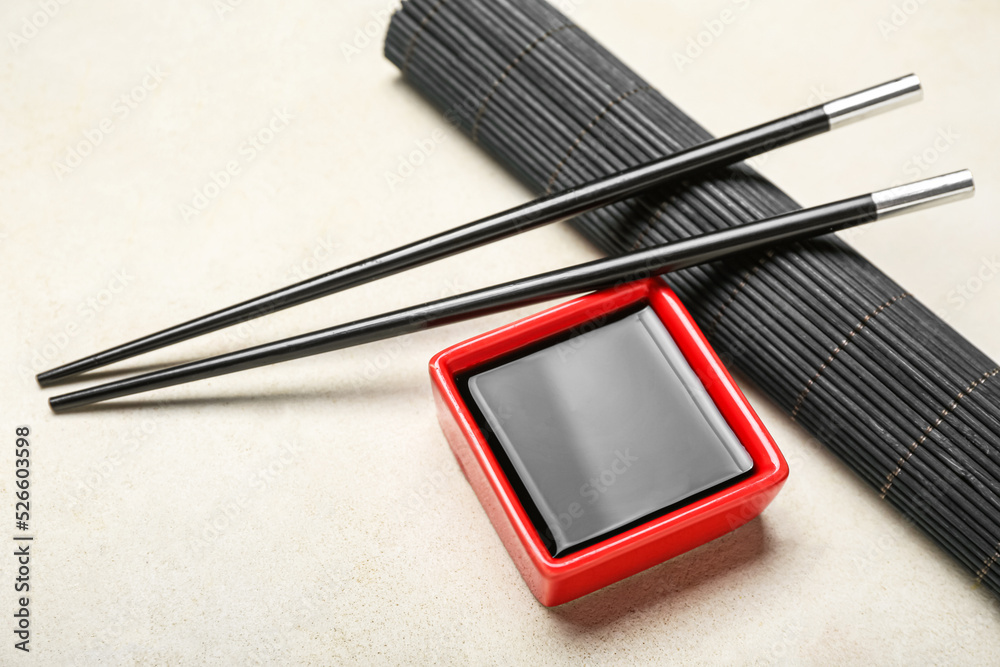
311, 512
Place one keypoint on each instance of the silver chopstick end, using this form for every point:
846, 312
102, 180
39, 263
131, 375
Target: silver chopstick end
925, 193
873, 100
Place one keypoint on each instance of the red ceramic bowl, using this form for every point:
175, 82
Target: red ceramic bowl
557, 580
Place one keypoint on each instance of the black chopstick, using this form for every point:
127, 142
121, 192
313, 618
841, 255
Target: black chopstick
542, 211
599, 274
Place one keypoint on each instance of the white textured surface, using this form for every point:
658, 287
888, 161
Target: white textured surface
343, 527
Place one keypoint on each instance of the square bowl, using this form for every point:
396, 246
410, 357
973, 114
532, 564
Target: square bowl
555, 575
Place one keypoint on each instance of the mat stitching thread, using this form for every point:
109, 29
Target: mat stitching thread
506, 71
891, 477
649, 225
838, 349
416, 34
747, 275
987, 564
584, 131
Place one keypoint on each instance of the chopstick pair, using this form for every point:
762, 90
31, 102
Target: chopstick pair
716, 153
595, 275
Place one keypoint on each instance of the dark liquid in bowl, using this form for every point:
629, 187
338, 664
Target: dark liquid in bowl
604, 429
